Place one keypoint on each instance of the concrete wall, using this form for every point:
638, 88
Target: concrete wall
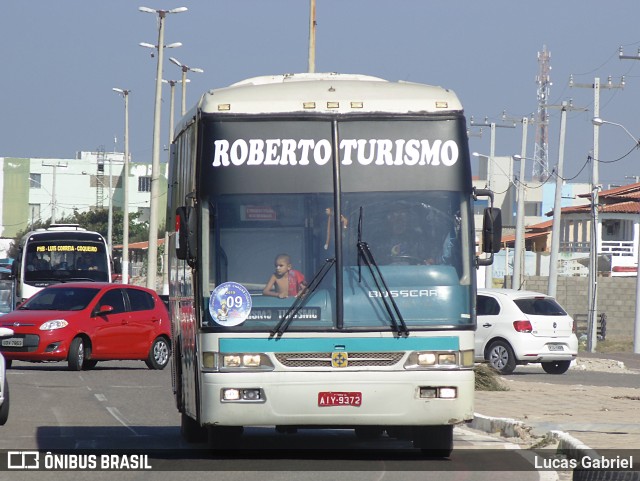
616, 297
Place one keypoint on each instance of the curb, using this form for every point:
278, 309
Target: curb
571, 447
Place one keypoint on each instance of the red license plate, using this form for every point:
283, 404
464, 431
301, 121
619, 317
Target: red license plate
339, 399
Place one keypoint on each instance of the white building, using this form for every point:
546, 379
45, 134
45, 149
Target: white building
42, 189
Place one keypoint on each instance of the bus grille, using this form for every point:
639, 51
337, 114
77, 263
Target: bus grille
323, 359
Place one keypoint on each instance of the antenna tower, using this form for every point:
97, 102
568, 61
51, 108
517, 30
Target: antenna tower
543, 80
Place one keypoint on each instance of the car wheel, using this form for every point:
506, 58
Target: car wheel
89, 364
501, 357
556, 367
4, 409
76, 355
158, 354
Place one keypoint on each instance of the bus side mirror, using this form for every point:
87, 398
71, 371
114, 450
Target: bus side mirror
492, 230
185, 234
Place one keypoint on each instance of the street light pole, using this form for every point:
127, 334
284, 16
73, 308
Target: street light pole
110, 215
125, 188
312, 36
518, 250
165, 257
557, 205
152, 253
597, 121
557, 208
595, 228
516, 282
185, 69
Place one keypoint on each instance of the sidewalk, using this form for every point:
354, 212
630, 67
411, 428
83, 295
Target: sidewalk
579, 418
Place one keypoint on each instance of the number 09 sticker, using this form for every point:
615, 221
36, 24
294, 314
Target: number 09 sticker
230, 304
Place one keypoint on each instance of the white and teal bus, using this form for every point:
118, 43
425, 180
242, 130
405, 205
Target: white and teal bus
365, 186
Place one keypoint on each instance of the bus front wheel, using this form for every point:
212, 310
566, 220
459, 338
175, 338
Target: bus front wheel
191, 430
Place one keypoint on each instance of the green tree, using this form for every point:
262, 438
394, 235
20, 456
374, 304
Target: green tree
98, 221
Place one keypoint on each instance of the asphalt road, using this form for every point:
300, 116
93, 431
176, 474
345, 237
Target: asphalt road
125, 406
589, 377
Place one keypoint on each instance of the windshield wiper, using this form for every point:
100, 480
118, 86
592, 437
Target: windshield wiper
288, 316
389, 302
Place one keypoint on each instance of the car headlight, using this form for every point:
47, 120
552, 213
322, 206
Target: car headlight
54, 324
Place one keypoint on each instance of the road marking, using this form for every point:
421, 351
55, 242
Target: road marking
100, 397
116, 414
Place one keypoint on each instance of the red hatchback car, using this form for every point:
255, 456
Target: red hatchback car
86, 322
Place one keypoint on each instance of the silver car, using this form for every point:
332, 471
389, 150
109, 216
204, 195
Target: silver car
521, 327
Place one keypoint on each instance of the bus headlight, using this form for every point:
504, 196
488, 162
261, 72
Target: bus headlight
251, 360
447, 392
236, 361
448, 359
247, 395
426, 359
232, 360
441, 392
434, 360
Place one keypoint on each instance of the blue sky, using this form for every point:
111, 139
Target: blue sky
60, 61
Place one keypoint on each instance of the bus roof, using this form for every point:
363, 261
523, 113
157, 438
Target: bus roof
60, 232
63, 227
327, 93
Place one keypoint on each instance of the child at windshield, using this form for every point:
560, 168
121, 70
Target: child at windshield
285, 281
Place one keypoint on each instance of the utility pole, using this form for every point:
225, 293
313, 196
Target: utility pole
519, 249
312, 36
488, 279
54, 201
636, 334
557, 204
596, 229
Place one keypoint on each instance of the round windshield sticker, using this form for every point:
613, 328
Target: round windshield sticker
230, 304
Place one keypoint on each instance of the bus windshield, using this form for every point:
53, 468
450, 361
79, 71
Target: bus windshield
390, 259
401, 248
64, 260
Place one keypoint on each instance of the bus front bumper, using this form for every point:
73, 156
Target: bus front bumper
337, 399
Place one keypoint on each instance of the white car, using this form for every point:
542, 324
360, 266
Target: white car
521, 327
4, 385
